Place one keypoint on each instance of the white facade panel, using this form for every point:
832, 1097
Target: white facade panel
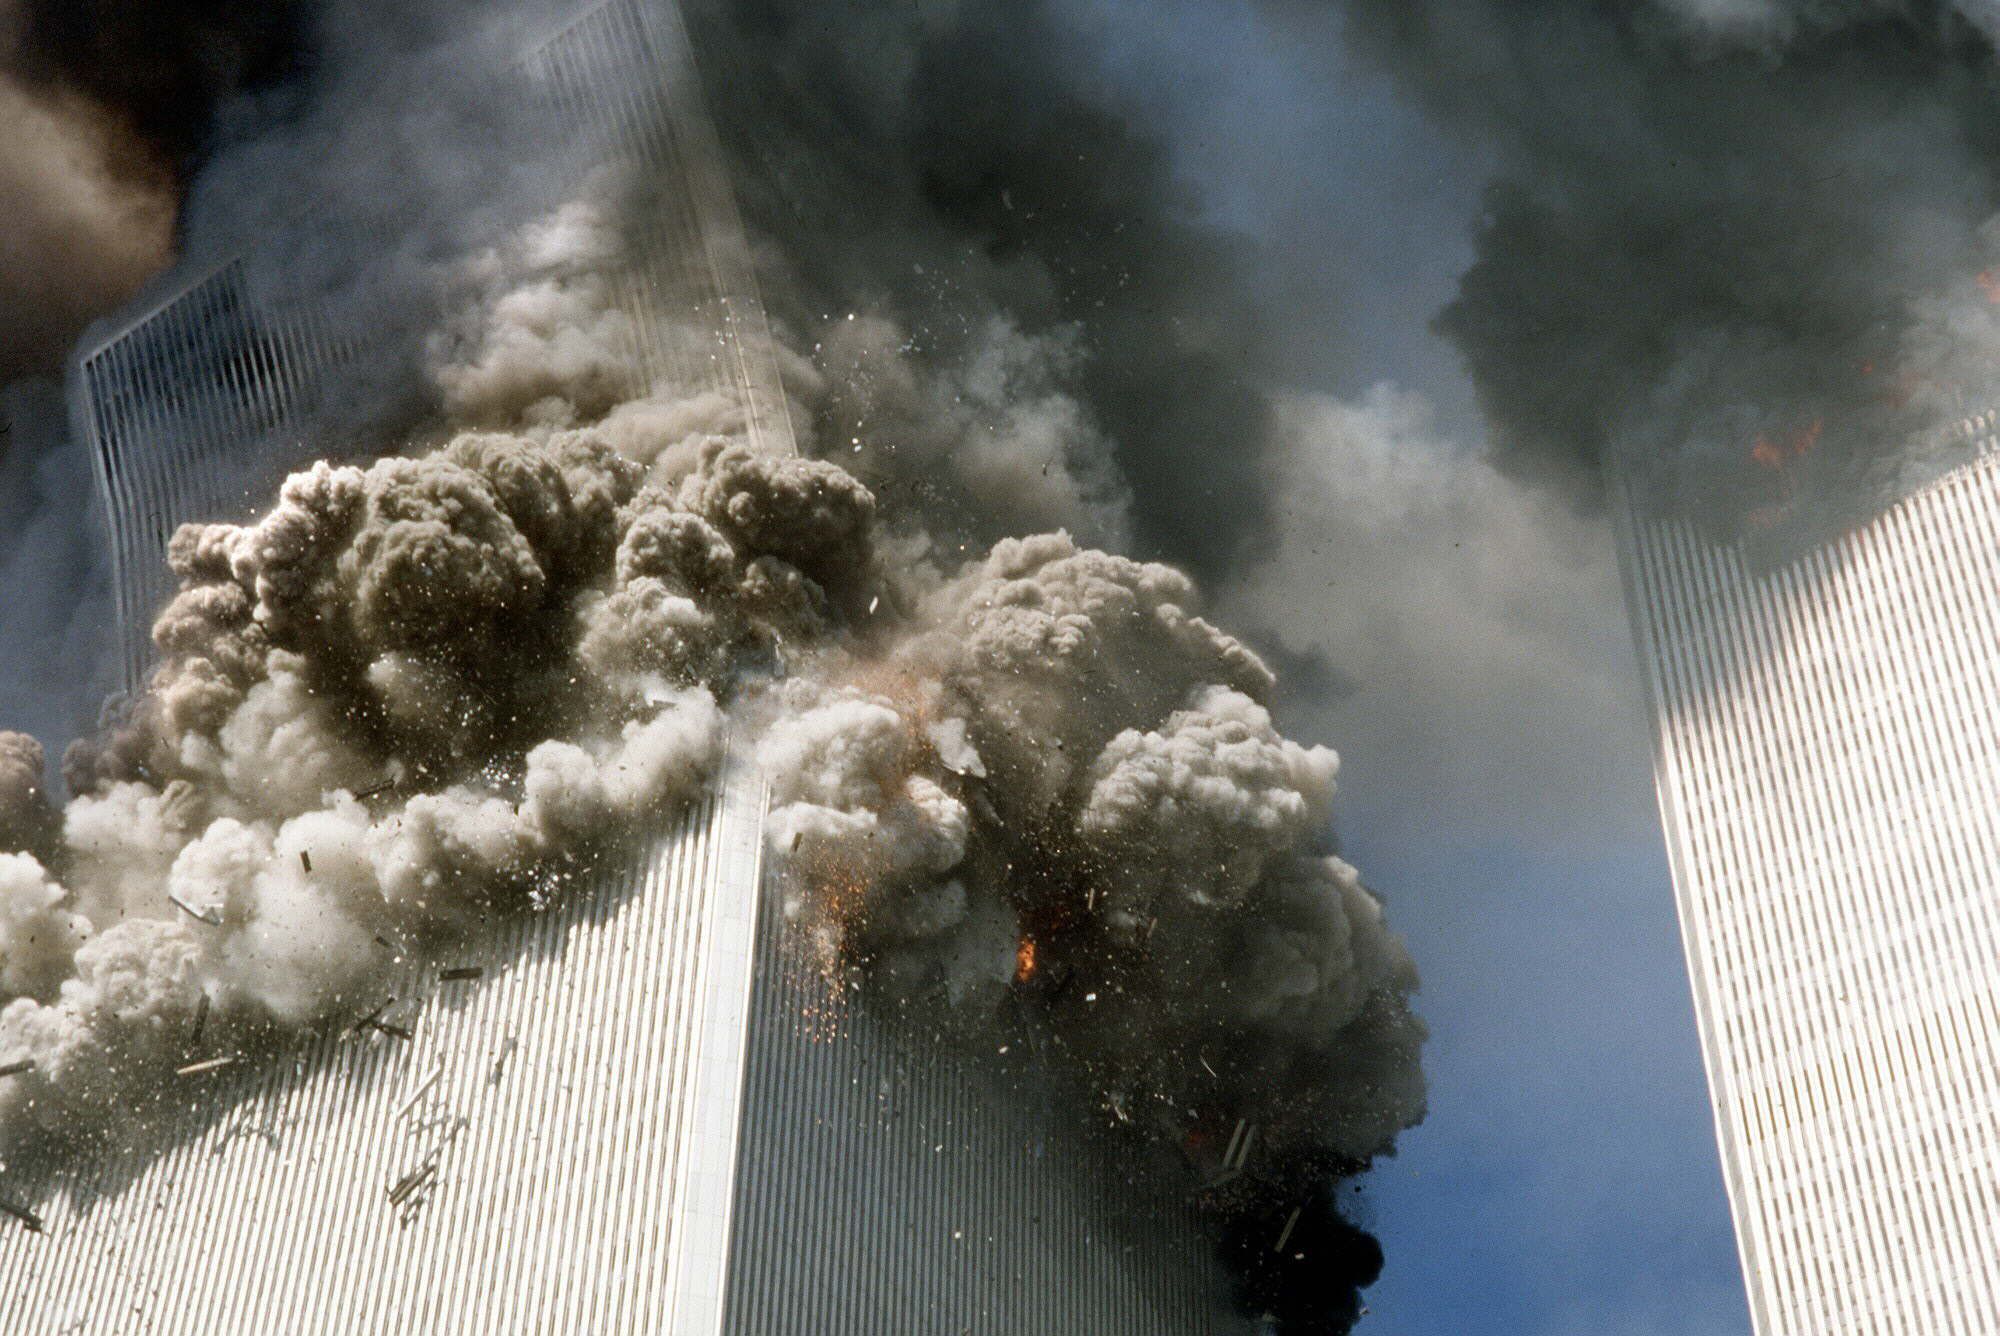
543, 1154
1828, 769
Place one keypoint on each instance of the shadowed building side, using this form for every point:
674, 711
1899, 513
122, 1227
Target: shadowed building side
893, 1186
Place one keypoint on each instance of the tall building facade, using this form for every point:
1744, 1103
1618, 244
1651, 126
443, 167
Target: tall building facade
1827, 760
641, 1115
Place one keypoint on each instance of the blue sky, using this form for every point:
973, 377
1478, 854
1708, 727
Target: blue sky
1566, 1182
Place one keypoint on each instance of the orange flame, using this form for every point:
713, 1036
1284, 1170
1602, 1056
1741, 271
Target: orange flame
1774, 453
1024, 960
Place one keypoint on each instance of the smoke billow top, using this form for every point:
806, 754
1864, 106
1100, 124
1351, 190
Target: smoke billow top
1746, 246
1008, 774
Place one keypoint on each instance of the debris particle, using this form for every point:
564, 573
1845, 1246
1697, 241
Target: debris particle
1291, 1223
422, 1089
411, 1181
200, 1021
209, 1065
305, 860
374, 1015
29, 1220
460, 973
16, 1068
212, 920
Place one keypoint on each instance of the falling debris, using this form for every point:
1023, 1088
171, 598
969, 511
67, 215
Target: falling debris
213, 921
200, 1021
16, 1068
393, 1031
423, 1087
460, 973
305, 860
29, 1220
210, 1065
403, 1187
366, 1021
1285, 1234
376, 791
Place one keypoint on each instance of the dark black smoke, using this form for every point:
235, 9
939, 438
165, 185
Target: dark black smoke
944, 164
1297, 1258
1744, 245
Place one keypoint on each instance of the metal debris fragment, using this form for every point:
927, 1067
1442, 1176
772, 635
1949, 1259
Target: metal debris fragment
207, 1065
378, 789
393, 1031
29, 1220
200, 1020
372, 1017
411, 1181
212, 920
305, 860
1285, 1235
16, 1068
422, 1089
460, 973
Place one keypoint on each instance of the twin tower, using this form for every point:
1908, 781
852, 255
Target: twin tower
635, 1115
627, 1124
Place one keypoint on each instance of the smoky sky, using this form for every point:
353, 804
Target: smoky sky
110, 108
945, 164
1743, 245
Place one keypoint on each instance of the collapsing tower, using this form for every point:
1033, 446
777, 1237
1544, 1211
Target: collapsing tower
617, 1117
1827, 759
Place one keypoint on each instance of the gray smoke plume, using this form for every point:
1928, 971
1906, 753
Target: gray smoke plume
1040, 779
1009, 773
1745, 246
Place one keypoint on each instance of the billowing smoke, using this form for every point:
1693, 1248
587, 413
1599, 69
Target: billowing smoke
419, 695
1008, 773
1746, 246
1048, 331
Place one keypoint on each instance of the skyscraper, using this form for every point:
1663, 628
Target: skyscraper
1827, 759
630, 1112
